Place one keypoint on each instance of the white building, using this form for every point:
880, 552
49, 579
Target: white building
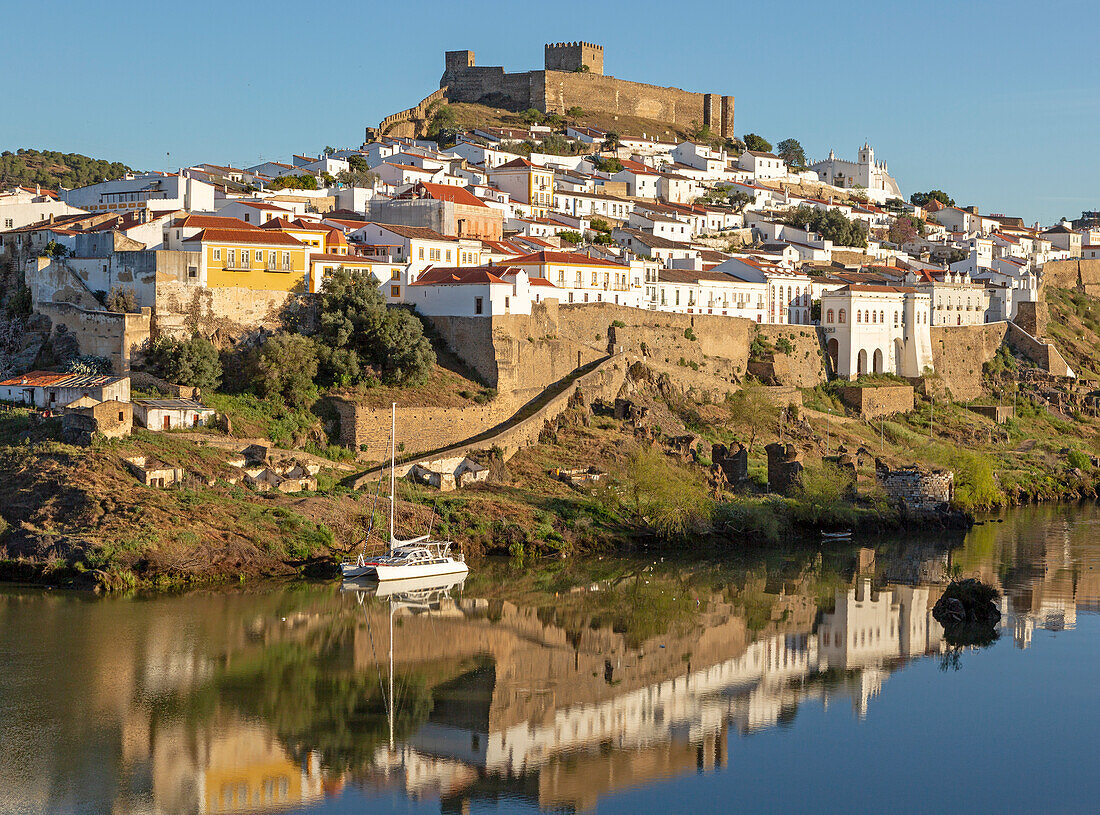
685, 291
864, 172
877, 329
163, 192
21, 206
788, 292
762, 165
481, 291
582, 279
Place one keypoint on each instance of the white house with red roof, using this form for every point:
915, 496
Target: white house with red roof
254, 213
478, 291
526, 183
20, 206
694, 291
762, 165
583, 279
641, 181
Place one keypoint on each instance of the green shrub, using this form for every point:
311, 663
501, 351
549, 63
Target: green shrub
1078, 459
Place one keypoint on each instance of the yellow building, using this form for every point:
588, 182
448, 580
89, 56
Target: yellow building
387, 274
251, 258
313, 235
528, 183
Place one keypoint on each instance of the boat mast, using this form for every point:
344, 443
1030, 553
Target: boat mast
392, 700
393, 429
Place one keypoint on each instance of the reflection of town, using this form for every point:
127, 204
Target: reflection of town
549, 700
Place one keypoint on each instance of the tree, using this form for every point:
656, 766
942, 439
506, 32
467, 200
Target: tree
356, 178
923, 199
443, 121
611, 141
600, 225
574, 112
293, 182
571, 236
830, 224
738, 200
757, 143
791, 152
285, 366
328, 151
355, 329
122, 299
194, 362
358, 164
532, 116
665, 497
327, 179
905, 229
751, 406
610, 164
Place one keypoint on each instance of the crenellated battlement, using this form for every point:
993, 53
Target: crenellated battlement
581, 57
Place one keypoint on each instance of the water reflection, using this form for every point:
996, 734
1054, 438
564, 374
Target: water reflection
555, 688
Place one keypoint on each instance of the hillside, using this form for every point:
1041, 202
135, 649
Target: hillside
49, 168
469, 115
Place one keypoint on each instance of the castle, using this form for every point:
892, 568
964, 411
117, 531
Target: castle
573, 77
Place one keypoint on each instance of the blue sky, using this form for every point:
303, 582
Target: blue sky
995, 102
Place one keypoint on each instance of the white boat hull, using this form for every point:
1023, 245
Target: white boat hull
404, 572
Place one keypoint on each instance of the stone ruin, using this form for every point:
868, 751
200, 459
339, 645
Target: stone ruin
784, 468
730, 465
917, 490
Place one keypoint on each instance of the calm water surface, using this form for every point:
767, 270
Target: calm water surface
807, 680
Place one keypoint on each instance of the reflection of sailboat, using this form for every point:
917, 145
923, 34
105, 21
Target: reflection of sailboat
415, 557
418, 594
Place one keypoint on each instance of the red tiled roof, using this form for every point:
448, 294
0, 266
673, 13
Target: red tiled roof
260, 236
573, 258
456, 195
211, 221
459, 276
36, 379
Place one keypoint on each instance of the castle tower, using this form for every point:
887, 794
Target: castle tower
867, 155
574, 56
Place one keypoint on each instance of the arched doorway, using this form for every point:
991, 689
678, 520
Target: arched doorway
861, 362
833, 347
878, 361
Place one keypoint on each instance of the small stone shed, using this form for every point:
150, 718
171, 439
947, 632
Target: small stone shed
154, 473
86, 417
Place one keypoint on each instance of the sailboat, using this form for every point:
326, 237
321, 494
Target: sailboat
405, 559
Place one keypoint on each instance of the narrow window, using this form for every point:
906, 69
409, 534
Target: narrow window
478, 305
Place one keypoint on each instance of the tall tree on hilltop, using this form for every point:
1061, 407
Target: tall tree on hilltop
791, 152
757, 144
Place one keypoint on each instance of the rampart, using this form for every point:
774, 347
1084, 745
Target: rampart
602, 382
418, 112
1081, 275
220, 312
114, 335
959, 352
427, 428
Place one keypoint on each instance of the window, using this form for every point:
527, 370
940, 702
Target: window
395, 291
859, 316
247, 218
231, 258
448, 255
421, 252
478, 305
217, 254
433, 254
8, 223
394, 274
882, 317
829, 316
286, 261
507, 301
561, 276
259, 255
192, 271
874, 317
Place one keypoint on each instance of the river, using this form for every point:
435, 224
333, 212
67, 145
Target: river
808, 679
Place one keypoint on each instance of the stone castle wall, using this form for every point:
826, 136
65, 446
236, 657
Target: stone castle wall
114, 335
915, 489
959, 352
220, 312
425, 428
1081, 275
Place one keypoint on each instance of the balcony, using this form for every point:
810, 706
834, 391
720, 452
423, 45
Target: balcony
238, 266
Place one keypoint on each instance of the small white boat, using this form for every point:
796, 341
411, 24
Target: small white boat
405, 559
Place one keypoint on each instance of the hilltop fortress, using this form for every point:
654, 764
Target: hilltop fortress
573, 77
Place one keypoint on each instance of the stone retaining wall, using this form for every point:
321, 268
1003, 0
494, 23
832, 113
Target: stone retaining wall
878, 401
916, 489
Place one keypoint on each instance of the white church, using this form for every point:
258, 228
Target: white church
865, 172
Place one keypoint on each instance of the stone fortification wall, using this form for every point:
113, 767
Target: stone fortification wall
419, 428
875, 402
1081, 275
390, 126
603, 382
804, 366
959, 352
222, 312
606, 93
1043, 354
114, 335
